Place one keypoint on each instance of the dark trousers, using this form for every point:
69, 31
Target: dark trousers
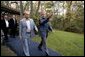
5, 31
12, 32
44, 36
42, 39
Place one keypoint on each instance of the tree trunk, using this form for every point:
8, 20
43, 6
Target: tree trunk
68, 14
38, 7
31, 12
21, 10
26, 7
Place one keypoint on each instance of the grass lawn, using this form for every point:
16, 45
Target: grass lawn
66, 43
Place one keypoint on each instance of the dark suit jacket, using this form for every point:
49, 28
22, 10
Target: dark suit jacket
12, 24
44, 27
3, 24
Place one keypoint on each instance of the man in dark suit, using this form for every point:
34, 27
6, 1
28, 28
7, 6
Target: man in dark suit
13, 26
5, 28
44, 27
1, 24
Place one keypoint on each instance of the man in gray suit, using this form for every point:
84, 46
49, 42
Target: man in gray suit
26, 31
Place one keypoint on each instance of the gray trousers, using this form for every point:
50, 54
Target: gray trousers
25, 44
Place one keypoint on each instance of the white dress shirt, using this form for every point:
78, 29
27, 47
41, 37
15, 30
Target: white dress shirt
14, 20
7, 23
28, 25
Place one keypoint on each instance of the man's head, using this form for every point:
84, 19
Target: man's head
43, 13
5, 17
9, 16
14, 16
26, 14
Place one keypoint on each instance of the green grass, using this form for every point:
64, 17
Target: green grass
66, 43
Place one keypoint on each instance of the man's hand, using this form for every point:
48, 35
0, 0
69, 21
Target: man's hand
53, 31
36, 28
20, 36
49, 16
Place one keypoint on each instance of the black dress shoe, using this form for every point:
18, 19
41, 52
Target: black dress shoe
3, 43
47, 54
13, 36
6, 40
39, 48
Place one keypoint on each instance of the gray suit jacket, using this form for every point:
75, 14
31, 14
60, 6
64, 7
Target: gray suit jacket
23, 28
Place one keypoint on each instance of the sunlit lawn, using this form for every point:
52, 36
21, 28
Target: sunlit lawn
66, 43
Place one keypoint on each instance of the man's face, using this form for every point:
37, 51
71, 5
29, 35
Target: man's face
5, 17
43, 14
10, 16
13, 16
26, 15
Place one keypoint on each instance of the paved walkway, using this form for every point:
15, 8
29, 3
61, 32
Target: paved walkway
15, 45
